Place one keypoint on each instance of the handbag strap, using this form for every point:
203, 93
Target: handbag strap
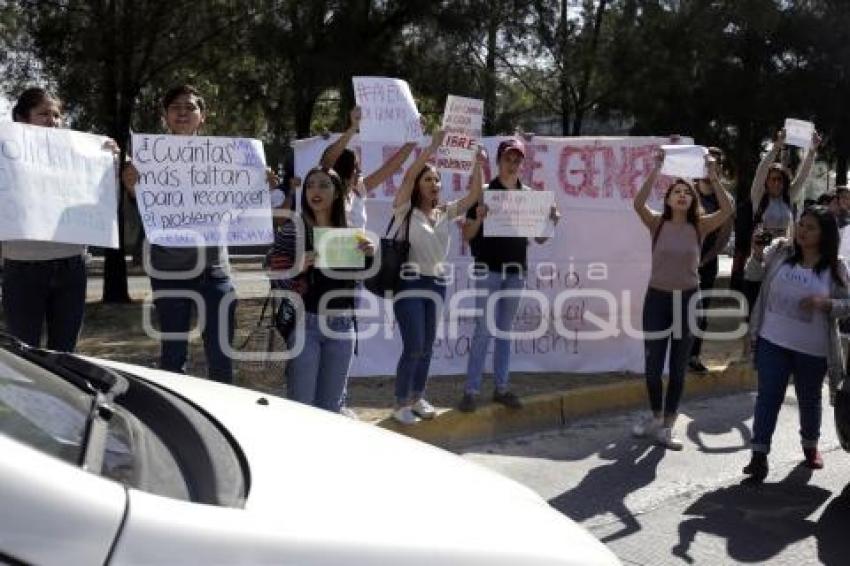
406, 221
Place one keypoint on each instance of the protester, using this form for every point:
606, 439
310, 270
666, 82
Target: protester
417, 211
773, 194
712, 246
794, 330
501, 264
345, 162
841, 204
318, 373
182, 276
44, 281
677, 236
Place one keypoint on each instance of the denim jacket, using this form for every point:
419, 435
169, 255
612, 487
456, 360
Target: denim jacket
774, 257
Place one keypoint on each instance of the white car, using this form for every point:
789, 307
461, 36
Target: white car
108, 463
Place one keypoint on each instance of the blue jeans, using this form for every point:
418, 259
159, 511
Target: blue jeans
504, 311
318, 375
658, 317
416, 316
175, 316
51, 290
775, 365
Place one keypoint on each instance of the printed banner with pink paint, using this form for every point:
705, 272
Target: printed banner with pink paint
581, 311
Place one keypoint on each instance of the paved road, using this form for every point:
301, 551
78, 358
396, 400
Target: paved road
248, 284
657, 507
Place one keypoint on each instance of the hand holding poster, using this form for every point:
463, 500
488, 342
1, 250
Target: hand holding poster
389, 112
462, 123
517, 213
799, 133
685, 161
336, 248
57, 185
198, 190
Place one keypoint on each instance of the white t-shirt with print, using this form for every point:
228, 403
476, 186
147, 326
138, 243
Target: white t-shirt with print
429, 241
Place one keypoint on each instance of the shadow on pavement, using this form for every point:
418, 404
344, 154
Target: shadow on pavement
605, 488
758, 522
833, 531
732, 419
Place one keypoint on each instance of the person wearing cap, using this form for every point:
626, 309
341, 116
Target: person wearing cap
501, 263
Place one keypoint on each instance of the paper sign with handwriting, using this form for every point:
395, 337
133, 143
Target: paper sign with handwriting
336, 248
462, 122
517, 213
799, 133
57, 185
202, 191
389, 111
686, 161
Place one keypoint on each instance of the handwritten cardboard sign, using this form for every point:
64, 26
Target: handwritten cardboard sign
57, 185
199, 190
517, 213
462, 121
389, 111
336, 248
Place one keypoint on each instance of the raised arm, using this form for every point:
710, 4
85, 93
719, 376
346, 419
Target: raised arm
389, 167
333, 152
475, 190
406, 189
757, 188
647, 216
805, 169
711, 222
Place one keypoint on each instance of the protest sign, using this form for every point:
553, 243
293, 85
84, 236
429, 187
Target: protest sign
389, 112
799, 132
57, 185
198, 190
685, 161
517, 213
462, 122
336, 248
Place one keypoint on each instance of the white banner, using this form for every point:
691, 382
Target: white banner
462, 121
57, 185
389, 111
199, 190
585, 285
517, 213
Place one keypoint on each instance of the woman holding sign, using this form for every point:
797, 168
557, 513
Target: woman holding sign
344, 161
416, 307
185, 276
677, 236
318, 373
44, 281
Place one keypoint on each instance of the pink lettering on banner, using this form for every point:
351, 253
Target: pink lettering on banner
577, 171
530, 165
594, 171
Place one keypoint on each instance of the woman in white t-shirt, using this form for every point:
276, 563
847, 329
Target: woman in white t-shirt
794, 330
417, 306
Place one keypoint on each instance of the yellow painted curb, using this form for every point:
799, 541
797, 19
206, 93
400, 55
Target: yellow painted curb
453, 429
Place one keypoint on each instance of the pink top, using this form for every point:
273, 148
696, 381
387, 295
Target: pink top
675, 257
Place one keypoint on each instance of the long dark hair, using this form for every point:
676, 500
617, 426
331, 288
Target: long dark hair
416, 196
338, 206
829, 242
28, 100
179, 90
765, 198
345, 165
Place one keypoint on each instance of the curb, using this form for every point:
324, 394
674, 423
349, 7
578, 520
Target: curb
452, 429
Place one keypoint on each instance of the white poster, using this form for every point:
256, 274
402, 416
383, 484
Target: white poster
389, 111
199, 190
462, 121
799, 133
685, 161
57, 185
582, 312
517, 213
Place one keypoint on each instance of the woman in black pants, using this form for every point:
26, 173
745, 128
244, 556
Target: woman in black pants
677, 236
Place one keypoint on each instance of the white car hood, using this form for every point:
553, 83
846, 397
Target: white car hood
317, 477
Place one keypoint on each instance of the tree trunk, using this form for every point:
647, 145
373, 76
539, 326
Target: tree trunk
490, 72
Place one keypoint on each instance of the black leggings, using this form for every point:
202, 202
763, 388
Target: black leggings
658, 311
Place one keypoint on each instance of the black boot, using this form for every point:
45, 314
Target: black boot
757, 468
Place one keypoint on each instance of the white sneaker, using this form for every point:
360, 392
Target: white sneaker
424, 409
647, 426
348, 412
665, 437
406, 416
